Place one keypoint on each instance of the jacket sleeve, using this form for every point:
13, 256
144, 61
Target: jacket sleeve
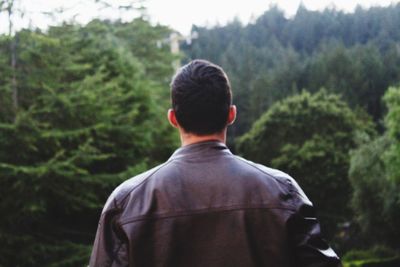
310, 249
110, 245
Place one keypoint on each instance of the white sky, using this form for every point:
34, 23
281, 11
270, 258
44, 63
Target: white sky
178, 14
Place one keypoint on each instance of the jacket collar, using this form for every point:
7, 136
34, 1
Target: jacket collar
206, 148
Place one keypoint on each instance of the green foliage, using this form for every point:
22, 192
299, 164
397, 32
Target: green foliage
379, 251
90, 110
309, 136
391, 262
356, 73
377, 256
374, 176
368, 179
392, 121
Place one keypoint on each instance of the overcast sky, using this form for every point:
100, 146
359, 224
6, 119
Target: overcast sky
178, 14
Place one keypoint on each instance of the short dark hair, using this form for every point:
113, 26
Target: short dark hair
201, 97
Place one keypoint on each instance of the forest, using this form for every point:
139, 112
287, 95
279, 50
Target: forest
83, 108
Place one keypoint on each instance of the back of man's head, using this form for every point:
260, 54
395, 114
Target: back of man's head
201, 97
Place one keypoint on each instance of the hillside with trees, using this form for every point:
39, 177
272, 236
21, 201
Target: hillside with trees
355, 55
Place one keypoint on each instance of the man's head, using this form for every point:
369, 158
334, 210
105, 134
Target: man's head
201, 98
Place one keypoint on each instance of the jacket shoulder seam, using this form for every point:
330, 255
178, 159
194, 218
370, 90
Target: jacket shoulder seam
288, 183
259, 169
145, 179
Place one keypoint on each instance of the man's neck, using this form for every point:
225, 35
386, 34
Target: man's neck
188, 138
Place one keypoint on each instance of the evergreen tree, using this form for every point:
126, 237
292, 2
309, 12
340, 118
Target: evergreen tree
90, 113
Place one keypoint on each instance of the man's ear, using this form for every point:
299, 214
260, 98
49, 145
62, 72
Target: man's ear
172, 118
232, 114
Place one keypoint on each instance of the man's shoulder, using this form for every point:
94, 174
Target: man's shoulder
277, 175
271, 173
124, 189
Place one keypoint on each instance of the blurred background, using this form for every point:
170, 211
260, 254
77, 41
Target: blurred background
84, 89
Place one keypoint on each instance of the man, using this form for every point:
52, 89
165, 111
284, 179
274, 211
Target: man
206, 206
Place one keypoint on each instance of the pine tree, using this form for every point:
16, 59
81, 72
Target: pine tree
91, 116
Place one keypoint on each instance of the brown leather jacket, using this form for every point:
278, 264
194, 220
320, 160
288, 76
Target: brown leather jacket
208, 207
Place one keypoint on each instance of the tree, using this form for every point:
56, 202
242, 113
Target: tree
309, 136
392, 122
9, 7
89, 115
374, 176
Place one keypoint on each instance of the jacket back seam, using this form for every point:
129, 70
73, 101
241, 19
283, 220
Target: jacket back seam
200, 212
